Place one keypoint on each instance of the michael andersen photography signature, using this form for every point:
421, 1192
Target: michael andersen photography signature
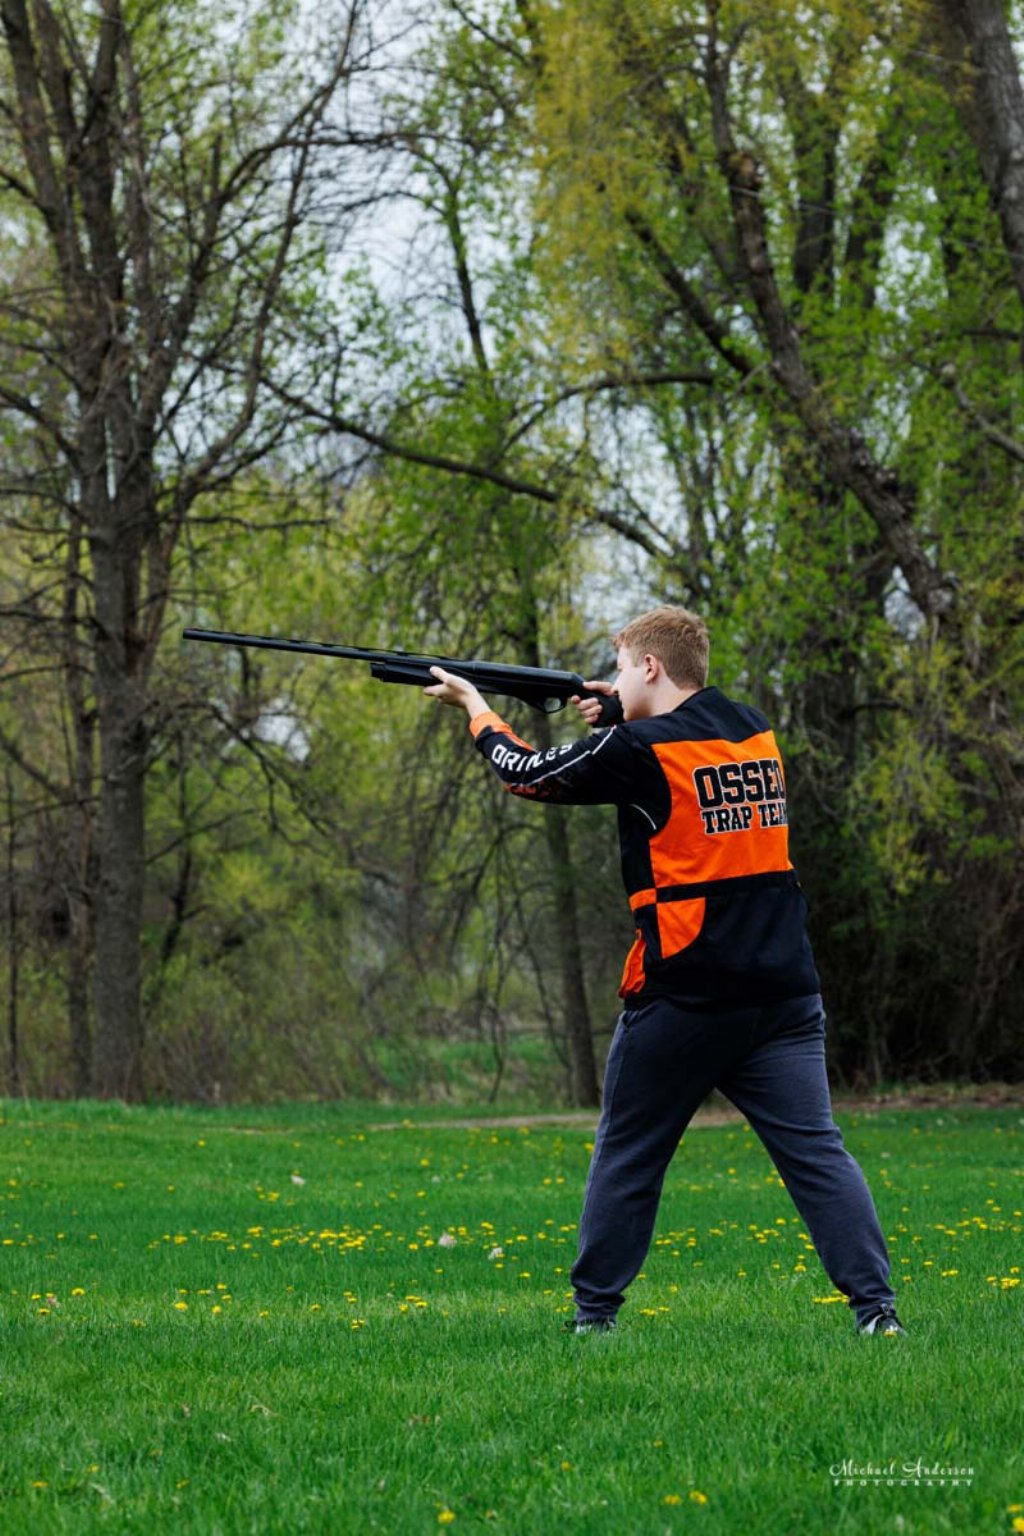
899, 1474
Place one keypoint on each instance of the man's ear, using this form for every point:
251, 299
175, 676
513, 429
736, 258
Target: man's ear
652, 669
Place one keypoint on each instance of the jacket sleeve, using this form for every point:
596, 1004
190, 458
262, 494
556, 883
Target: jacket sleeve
596, 770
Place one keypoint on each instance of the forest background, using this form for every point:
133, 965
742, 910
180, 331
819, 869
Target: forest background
479, 328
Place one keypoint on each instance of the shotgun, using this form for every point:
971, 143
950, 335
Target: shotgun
543, 688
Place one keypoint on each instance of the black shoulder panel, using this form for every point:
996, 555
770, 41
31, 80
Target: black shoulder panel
705, 716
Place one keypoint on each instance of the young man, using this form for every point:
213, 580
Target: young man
720, 988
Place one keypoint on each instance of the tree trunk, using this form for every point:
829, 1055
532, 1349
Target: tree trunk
13, 1065
81, 833
117, 1070
583, 1084
991, 99
79, 968
119, 1034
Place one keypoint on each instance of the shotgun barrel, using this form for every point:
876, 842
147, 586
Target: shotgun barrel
543, 688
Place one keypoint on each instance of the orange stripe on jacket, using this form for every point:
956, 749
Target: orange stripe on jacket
633, 977
496, 723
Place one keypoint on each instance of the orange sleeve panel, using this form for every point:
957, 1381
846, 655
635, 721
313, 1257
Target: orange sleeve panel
728, 811
493, 721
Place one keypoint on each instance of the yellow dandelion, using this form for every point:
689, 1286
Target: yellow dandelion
446, 1516
181, 1306
1018, 1524
78, 1290
672, 1498
697, 1496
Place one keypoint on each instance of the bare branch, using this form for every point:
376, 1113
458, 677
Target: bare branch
999, 439
32, 770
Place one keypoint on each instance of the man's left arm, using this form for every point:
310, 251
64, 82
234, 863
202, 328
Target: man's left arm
596, 770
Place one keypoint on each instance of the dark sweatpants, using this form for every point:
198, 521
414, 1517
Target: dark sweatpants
770, 1062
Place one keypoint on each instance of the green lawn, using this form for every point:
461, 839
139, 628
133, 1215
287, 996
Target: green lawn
246, 1320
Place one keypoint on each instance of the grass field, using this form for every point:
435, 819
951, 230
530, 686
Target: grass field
248, 1320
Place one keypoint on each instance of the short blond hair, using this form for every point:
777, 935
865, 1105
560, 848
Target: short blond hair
677, 637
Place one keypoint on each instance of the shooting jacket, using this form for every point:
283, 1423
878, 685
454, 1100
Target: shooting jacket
720, 916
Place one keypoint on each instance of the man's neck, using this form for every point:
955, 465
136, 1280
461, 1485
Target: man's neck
666, 699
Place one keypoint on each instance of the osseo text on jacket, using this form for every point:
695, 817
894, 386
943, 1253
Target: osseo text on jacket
701, 798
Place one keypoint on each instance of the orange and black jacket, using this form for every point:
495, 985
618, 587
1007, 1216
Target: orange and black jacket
720, 917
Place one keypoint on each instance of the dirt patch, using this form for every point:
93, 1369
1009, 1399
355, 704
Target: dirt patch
717, 1112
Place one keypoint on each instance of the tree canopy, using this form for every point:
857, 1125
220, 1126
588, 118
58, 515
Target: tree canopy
480, 327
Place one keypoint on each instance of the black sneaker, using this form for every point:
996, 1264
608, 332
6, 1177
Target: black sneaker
589, 1325
883, 1321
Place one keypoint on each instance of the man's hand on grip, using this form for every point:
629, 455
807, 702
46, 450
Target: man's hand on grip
590, 709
